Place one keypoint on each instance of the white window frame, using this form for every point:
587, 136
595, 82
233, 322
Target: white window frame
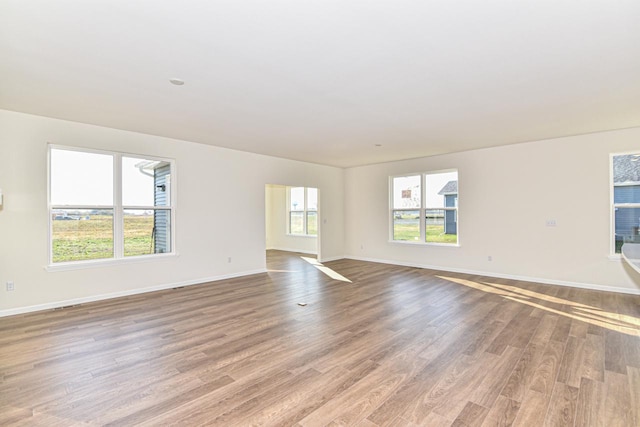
304, 212
419, 209
423, 210
614, 206
118, 211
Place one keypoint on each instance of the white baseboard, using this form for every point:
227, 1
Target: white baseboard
545, 281
76, 301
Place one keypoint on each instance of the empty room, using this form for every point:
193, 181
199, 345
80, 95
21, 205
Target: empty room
320, 213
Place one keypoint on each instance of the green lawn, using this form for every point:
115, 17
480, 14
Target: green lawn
435, 234
296, 223
312, 224
75, 240
409, 230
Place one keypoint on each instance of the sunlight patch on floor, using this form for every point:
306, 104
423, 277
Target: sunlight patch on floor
538, 295
326, 270
626, 324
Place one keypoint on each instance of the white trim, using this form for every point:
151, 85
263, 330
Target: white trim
49, 219
625, 153
626, 184
626, 205
118, 213
545, 281
612, 209
612, 213
305, 212
418, 243
145, 208
93, 298
422, 209
86, 207
107, 262
117, 207
83, 300
108, 152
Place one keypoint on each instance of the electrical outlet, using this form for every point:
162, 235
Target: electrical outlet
11, 286
489, 258
551, 223
229, 260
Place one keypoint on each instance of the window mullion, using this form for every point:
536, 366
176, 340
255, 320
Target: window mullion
626, 205
289, 226
423, 211
304, 214
118, 214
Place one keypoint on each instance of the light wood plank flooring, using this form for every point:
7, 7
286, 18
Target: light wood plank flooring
393, 346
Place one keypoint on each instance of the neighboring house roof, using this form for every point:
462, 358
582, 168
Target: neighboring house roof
626, 169
450, 187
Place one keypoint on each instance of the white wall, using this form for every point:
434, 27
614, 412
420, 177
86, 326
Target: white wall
277, 237
506, 195
209, 180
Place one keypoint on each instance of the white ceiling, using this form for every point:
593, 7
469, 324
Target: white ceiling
326, 80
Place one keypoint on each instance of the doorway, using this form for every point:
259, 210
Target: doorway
292, 219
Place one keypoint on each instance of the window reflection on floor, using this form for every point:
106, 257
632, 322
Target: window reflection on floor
589, 314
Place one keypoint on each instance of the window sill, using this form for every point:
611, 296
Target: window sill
615, 257
302, 235
81, 265
407, 242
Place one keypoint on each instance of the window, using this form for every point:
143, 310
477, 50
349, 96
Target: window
625, 200
407, 205
105, 205
303, 210
424, 208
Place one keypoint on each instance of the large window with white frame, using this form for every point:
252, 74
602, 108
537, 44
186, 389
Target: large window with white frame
302, 211
108, 205
625, 200
424, 208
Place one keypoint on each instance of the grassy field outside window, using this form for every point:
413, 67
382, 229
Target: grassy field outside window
406, 227
91, 237
107, 205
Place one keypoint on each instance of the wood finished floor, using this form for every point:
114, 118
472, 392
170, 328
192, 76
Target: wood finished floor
397, 346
